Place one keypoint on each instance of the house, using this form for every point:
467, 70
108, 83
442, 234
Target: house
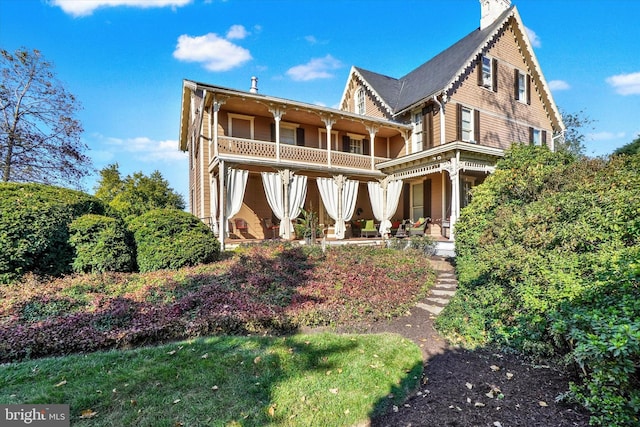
397, 148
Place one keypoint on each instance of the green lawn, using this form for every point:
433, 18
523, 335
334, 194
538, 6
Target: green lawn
319, 380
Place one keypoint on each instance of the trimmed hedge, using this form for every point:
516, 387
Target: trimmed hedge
102, 244
34, 228
170, 238
547, 263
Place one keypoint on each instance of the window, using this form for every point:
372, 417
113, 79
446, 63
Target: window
416, 135
287, 134
355, 146
322, 137
467, 124
522, 90
537, 136
488, 73
360, 101
240, 126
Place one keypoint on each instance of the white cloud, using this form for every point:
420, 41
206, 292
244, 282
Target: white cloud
559, 85
78, 8
605, 136
141, 148
213, 51
626, 84
533, 37
317, 68
237, 32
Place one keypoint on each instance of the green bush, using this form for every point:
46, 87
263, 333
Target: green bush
102, 244
536, 249
170, 238
34, 228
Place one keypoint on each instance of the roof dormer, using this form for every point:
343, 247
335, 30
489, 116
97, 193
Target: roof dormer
490, 10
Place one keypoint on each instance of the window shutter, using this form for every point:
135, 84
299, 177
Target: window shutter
544, 137
531, 136
528, 89
427, 130
300, 136
494, 74
459, 123
273, 132
476, 126
365, 147
516, 86
346, 144
426, 198
479, 70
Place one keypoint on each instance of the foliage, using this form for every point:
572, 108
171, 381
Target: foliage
303, 380
533, 249
39, 136
573, 138
34, 232
136, 194
262, 289
305, 224
630, 149
101, 244
169, 238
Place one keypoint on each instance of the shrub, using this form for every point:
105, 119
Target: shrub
539, 256
102, 244
34, 233
169, 238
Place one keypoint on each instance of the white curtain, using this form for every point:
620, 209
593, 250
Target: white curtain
214, 205
274, 190
236, 185
383, 209
328, 189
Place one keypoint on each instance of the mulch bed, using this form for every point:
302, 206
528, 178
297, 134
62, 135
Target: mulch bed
476, 388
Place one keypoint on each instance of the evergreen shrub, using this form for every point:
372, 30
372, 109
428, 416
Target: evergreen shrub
170, 238
102, 244
34, 228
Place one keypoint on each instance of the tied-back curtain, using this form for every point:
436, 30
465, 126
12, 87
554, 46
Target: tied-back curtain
349, 198
236, 185
214, 205
377, 196
274, 191
297, 195
272, 183
328, 189
329, 194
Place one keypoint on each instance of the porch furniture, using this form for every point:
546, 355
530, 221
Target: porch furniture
418, 228
446, 228
395, 226
269, 225
241, 225
401, 231
369, 228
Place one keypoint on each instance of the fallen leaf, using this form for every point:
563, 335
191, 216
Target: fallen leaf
272, 411
469, 386
509, 375
543, 404
214, 388
339, 370
134, 402
303, 398
333, 390
176, 401
395, 408
61, 383
346, 412
494, 368
497, 424
328, 372
205, 356
171, 353
489, 395
88, 413
257, 360
468, 400
478, 404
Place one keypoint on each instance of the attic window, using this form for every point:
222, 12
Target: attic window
360, 101
488, 73
522, 87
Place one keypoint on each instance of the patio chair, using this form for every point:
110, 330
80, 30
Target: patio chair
369, 228
418, 228
241, 225
269, 225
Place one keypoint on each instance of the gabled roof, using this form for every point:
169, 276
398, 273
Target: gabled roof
434, 75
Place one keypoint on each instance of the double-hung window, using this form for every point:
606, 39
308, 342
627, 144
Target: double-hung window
360, 102
488, 73
466, 124
522, 87
355, 145
487, 78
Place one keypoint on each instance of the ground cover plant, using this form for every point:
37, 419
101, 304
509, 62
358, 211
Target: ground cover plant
547, 262
321, 379
262, 289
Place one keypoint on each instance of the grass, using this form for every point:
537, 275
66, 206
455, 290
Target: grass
323, 379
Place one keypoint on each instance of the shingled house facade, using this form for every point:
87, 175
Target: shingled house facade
396, 149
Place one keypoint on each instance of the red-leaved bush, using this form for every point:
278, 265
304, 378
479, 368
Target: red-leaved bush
274, 289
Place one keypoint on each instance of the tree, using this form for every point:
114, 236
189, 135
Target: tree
39, 137
630, 149
137, 193
573, 135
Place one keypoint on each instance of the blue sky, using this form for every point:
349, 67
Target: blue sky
125, 59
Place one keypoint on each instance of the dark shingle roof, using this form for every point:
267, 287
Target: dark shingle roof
432, 76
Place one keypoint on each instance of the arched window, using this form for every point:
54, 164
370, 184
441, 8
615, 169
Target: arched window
360, 101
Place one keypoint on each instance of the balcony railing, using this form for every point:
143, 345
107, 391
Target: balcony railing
266, 150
